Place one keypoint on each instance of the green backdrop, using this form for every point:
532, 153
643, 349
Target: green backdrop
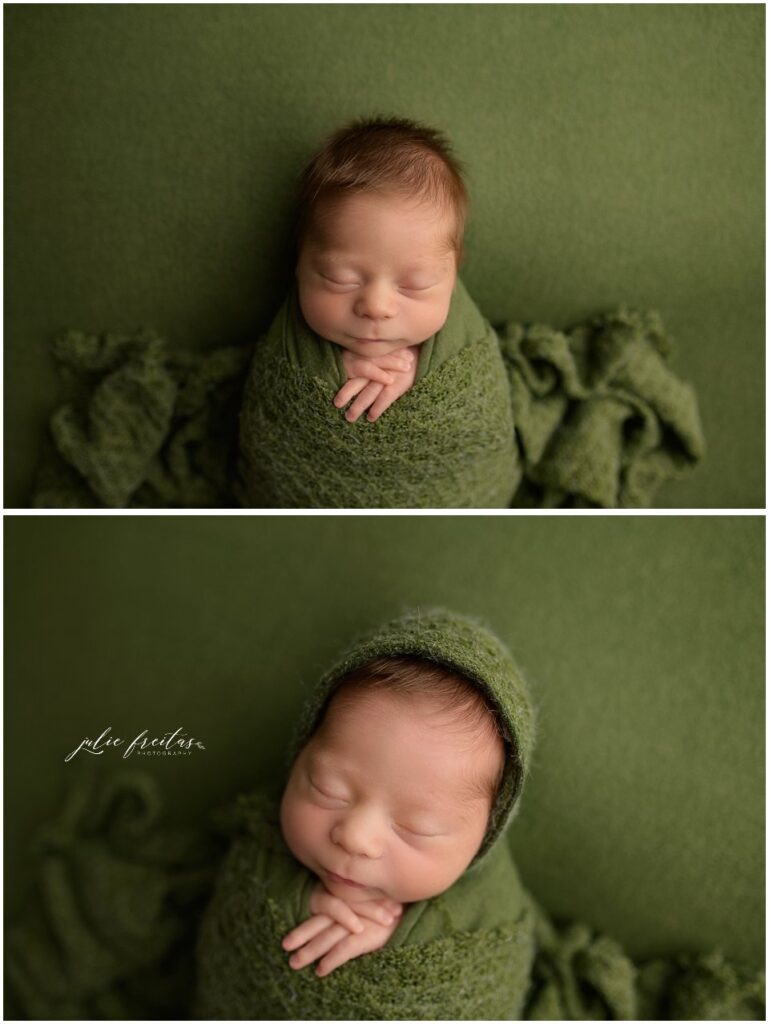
615, 154
642, 638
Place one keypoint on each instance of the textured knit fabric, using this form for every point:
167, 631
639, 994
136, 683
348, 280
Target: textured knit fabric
142, 425
447, 443
528, 416
600, 418
109, 931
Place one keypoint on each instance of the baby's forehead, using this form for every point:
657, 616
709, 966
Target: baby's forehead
420, 722
330, 217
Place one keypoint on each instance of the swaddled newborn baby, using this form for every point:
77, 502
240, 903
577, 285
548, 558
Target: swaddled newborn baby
379, 233
378, 322
384, 850
388, 802
380, 384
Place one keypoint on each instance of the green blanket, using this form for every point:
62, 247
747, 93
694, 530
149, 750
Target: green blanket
526, 415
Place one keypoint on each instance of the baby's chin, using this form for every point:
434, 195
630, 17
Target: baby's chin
373, 349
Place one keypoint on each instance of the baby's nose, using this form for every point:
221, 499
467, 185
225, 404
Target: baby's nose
375, 303
359, 835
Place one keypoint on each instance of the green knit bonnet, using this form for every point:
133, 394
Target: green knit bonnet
463, 645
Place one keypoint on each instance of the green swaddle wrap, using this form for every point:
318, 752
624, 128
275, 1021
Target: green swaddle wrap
447, 443
525, 415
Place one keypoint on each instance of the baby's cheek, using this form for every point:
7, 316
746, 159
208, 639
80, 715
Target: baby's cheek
431, 319
298, 827
321, 308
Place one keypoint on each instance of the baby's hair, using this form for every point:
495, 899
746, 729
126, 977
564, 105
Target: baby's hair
384, 155
453, 694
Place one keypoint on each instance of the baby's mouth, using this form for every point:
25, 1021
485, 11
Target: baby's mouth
344, 881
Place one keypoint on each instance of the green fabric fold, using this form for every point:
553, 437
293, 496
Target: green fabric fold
109, 929
143, 426
527, 416
600, 418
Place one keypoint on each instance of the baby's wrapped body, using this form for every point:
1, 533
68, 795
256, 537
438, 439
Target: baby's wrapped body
447, 443
465, 954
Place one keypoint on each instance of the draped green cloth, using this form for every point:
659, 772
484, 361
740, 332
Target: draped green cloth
525, 415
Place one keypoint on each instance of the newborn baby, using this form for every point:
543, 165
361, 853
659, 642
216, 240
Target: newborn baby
380, 221
377, 321
382, 859
388, 802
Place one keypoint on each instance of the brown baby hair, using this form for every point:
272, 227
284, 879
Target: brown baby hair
385, 155
452, 692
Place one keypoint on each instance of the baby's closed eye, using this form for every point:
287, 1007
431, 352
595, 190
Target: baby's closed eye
418, 833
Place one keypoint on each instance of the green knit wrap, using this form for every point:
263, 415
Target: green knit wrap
447, 443
464, 954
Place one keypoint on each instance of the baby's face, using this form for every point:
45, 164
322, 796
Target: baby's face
374, 274
380, 801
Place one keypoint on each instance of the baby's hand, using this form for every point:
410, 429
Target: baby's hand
372, 392
376, 368
337, 933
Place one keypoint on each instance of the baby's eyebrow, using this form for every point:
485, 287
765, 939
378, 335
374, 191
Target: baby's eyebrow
339, 256
322, 761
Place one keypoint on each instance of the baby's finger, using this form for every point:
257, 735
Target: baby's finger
384, 401
318, 947
376, 912
363, 401
340, 954
349, 390
306, 930
395, 361
339, 911
374, 372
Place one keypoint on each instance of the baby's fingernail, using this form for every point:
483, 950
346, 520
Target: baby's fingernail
387, 919
358, 926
